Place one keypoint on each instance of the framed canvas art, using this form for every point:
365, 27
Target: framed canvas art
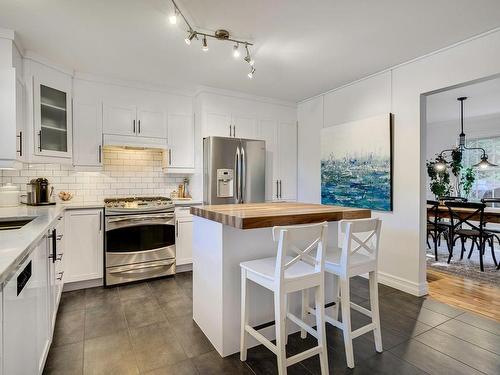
356, 164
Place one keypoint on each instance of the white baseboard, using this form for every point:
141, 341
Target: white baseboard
402, 284
183, 267
82, 284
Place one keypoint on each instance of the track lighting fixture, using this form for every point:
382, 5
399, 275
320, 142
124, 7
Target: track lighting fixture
220, 34
173, 17
236, 52
250, 74
248, 58
204, 47
190, 37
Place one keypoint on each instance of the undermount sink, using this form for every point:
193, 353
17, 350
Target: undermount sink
14, 223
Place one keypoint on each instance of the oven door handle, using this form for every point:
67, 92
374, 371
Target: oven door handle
140, 218
135, 269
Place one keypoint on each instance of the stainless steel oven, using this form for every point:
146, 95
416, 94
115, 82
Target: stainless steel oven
139, 242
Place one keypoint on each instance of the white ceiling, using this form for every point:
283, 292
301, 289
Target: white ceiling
483, 99
302, 47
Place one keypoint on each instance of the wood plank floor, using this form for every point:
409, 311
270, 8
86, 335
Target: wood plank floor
475, 296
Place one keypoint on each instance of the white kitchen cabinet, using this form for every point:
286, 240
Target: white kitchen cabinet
12, 110
26, 330
230, 125
180, 141
131, 120
281, 158
87, 130
183, 236
151, 123
83, 255
119, 119
56, 267
287, 139
52, 117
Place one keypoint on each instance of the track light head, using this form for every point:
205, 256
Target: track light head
248, 58
173, 17
204, 46
250, 74
191, 35
236, 51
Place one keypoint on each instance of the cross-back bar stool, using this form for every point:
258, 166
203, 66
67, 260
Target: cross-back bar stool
358, 255
299, 265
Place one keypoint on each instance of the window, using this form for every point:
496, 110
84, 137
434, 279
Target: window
487, 183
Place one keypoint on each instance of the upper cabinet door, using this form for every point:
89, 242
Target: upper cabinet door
151, 123
87, 128
119, 119
268, 132
20, 120
244, 126
52, 115
181, 141
287, 134
218, 124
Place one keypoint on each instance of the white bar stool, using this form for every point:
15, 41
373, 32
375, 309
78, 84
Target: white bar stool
294, 269
357, 256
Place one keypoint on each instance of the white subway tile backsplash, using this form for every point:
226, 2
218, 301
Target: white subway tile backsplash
125, 172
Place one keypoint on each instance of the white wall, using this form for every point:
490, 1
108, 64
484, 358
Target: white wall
399, 90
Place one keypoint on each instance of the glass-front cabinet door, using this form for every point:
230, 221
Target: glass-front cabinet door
52, 106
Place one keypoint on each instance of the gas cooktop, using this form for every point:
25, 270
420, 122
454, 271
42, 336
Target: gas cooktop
137, 204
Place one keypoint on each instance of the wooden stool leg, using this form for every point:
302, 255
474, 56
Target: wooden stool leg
280, 321
305, 307
345, 302
320, 327
244, 315
377, 333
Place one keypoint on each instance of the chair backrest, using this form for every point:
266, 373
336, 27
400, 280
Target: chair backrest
454, 199
359, 236
432, 211
305, 243
474, 213
491, 202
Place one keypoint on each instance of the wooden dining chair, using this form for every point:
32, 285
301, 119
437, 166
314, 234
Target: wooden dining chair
474, 219
436, 228
495, 232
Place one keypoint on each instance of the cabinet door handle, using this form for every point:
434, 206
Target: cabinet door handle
139, 126
277, 189
234, 130
54, 245
133, 122
60, 275
177, 228
99, 154
20, 136
230, 131
280, 190
40, 141
100, 221
59, 258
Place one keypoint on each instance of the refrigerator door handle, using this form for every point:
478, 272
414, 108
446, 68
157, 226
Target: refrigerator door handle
243, 172
237, 173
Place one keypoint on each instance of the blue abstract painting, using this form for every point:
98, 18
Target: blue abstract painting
356, 164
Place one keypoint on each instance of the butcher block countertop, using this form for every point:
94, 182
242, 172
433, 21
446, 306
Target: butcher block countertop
263, 215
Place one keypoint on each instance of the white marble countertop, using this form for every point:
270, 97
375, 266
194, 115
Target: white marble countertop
17, 243
186, 202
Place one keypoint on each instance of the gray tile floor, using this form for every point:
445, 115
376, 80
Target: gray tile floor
147, 329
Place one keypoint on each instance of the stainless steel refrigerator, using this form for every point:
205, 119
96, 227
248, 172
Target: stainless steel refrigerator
234, 170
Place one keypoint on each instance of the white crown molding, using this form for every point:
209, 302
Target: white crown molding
390, 69
242, 95
90, 77
33, 56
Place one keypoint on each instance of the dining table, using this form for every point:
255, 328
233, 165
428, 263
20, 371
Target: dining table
491, 214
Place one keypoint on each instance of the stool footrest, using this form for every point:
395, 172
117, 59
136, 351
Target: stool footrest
262, 339
302, 324
361, 331
304, 355
361, 309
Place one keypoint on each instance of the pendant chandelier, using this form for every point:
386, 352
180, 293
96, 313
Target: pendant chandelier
441, 161
220, 34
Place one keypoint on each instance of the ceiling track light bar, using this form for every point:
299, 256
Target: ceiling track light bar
219, 34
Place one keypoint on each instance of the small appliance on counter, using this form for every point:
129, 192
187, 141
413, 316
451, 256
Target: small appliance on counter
39, 192
9, 195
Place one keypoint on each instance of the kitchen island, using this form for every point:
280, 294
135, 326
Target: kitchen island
226, 235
